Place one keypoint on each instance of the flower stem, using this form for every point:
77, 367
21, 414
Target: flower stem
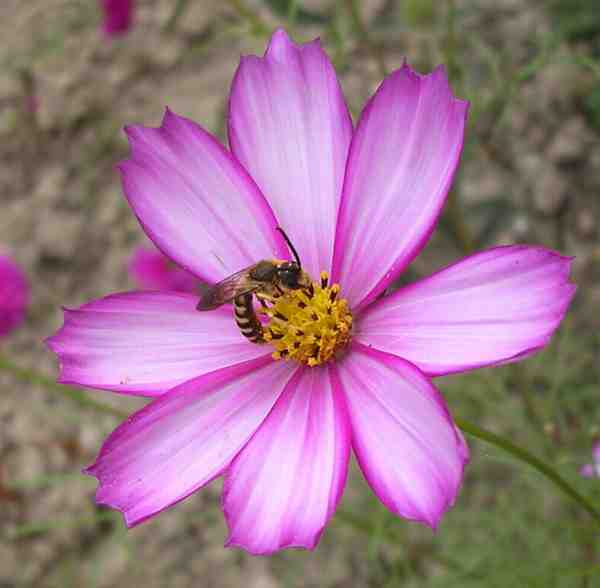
78, 396
461, 233
530, 459
362, 31
454, 211
259, 28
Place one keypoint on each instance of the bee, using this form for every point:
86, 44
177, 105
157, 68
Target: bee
267, 280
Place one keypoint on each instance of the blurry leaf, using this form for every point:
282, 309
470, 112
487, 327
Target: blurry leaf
579, 20
178, 10
285, 8
45, 481
591, 106
419, 13
41, 527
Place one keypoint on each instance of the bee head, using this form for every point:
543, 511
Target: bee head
290, 275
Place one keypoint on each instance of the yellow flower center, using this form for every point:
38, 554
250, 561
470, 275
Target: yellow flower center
309, 325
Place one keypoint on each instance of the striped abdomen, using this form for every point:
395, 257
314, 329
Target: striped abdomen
246, 320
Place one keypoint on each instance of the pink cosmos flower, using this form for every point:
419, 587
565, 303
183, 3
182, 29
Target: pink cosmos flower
117, 16
359, 203
151, 270
14, 295
592, 470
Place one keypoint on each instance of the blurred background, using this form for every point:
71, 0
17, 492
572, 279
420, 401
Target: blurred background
530, 173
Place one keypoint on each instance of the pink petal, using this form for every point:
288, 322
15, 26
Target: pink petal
283, 487
290, 128
184, 439
404, 439
147, 342
151, 270
401, 163
195, 201
497, 305
118, 16
588, 471
596, 453
14, 295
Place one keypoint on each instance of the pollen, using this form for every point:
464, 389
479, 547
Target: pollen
309, 325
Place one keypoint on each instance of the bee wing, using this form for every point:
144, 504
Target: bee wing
226, 290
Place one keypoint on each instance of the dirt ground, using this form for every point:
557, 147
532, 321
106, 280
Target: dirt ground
530, 173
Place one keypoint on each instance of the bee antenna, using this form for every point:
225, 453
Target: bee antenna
292, 248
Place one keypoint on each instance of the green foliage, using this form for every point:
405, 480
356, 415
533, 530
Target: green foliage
591, 105
579, 20
419, 13
292, 10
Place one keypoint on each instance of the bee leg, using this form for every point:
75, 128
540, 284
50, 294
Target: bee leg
263, 298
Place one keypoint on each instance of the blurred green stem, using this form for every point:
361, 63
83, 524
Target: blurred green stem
456, 218
531, 460
78, 396
178, 10
361, 30
40, 527
454, 212
259, 28
454, 70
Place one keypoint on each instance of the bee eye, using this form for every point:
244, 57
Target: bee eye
289, 278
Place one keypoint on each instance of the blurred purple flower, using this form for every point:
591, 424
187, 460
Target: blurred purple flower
14, 295
360, 203
32, 104
592, 470
117, 16
151, 270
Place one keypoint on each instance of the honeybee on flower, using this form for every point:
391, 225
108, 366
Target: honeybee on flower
278, 420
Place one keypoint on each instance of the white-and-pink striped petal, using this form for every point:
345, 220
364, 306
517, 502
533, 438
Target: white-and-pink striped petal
195, 201
498, 305
400, 167
403, 435
145, 343
283, 487
184, 439
290, 128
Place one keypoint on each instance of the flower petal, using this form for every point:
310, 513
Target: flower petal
151, 270
118, 16
401, 163
283, 487
497, 305
14, 295
184, 439
290, 128
404, 439
195, 201
147, 342
588, 470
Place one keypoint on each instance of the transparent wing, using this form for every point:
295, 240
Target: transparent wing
226, 290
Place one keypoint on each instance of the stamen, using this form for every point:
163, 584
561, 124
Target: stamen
309, 325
